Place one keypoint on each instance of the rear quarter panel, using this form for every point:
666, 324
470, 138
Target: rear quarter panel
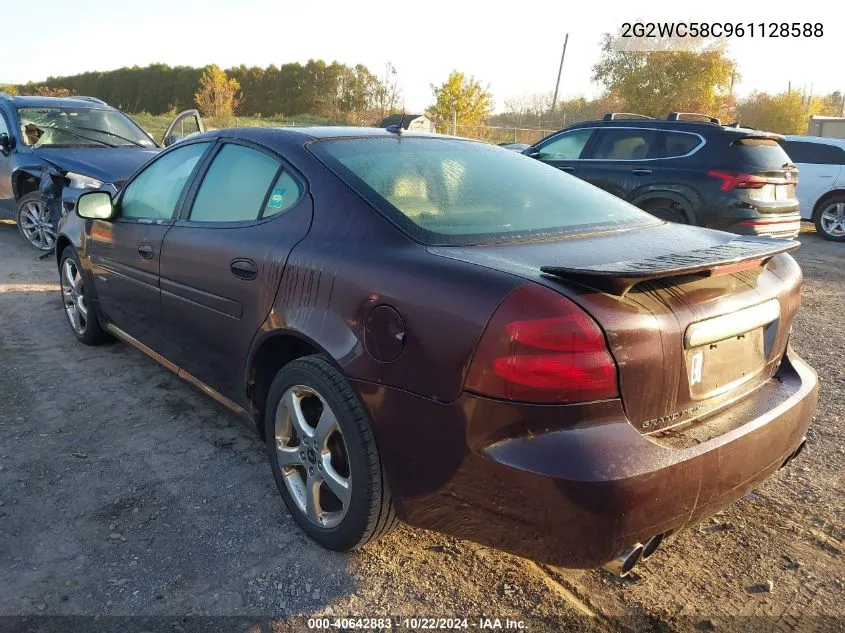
352, 261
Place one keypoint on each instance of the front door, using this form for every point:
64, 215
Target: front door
221, 264
125, 252
7, 197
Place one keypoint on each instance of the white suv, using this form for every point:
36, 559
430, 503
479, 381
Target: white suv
821, 181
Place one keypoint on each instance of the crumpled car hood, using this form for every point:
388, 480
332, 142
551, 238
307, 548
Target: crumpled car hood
106, 164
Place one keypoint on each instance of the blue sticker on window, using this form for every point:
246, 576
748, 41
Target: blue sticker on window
277, 197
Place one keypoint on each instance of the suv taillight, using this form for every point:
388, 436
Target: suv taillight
731, 181
541, 347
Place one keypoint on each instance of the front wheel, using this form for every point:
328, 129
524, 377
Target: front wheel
324, 457
76, 298
35, 223
830, 219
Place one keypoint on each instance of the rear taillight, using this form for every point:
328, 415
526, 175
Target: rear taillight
731, 181
541, 347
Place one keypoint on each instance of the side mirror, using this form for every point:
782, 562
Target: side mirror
95, 205
171, 140
532, 152
6, 143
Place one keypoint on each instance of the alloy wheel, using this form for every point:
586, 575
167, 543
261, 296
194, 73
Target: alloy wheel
36, 226
833, 219
312, 456
72, 294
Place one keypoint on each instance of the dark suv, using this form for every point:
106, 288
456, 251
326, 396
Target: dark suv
693, 171
48, 144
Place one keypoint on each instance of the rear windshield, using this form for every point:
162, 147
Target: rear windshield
447, 191
761, 153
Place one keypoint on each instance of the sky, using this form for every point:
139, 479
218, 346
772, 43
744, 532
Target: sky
514, 48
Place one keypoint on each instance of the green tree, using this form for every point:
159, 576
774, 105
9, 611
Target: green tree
678, 78
9, 89
219, 95
784, 113
463, 96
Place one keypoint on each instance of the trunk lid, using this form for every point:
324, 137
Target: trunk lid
691, 327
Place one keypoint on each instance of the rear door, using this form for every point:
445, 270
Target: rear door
125, 252
222, 262
621, 159
819, 167
563, 150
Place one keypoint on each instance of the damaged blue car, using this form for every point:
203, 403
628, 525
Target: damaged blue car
51, 146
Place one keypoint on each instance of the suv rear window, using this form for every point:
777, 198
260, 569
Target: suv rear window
450, 192
760, 153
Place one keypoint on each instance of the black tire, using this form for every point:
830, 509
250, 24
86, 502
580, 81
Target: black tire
829, 204
668, 214
369, 514
87, 329
35, 222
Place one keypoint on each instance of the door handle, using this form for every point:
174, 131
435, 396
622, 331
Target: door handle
244, 269
567, 168
145, 251
641, 172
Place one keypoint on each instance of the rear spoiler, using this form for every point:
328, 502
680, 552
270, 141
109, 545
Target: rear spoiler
733, 256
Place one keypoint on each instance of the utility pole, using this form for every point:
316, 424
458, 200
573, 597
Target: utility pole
559, 71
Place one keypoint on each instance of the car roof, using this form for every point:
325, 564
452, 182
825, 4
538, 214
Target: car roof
822, 140
270, 134
59, 102
684, 125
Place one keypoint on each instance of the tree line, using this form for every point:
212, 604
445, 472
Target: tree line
330, 90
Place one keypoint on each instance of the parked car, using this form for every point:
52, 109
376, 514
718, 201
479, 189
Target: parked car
821, 191
516, 147
449, 333
690, 171
49, 144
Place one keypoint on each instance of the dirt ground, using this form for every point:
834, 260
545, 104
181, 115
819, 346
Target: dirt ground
124, 492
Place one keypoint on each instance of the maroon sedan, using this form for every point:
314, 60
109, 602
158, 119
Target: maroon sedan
452, 334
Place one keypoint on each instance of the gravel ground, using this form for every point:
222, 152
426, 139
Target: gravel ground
124, 492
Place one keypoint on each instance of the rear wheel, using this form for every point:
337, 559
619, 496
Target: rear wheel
324, 457
35, 223
668, 214
830, 219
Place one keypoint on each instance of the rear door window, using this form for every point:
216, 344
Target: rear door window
236, 187
677, 144
624, 144
566, 146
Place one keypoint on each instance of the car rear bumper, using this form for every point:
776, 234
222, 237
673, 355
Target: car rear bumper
573, 485
784, 226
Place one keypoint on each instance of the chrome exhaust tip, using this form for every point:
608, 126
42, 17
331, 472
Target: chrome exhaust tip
625, 561
651, 546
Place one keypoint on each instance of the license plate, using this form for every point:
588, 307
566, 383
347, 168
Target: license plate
718, 367
782, 192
